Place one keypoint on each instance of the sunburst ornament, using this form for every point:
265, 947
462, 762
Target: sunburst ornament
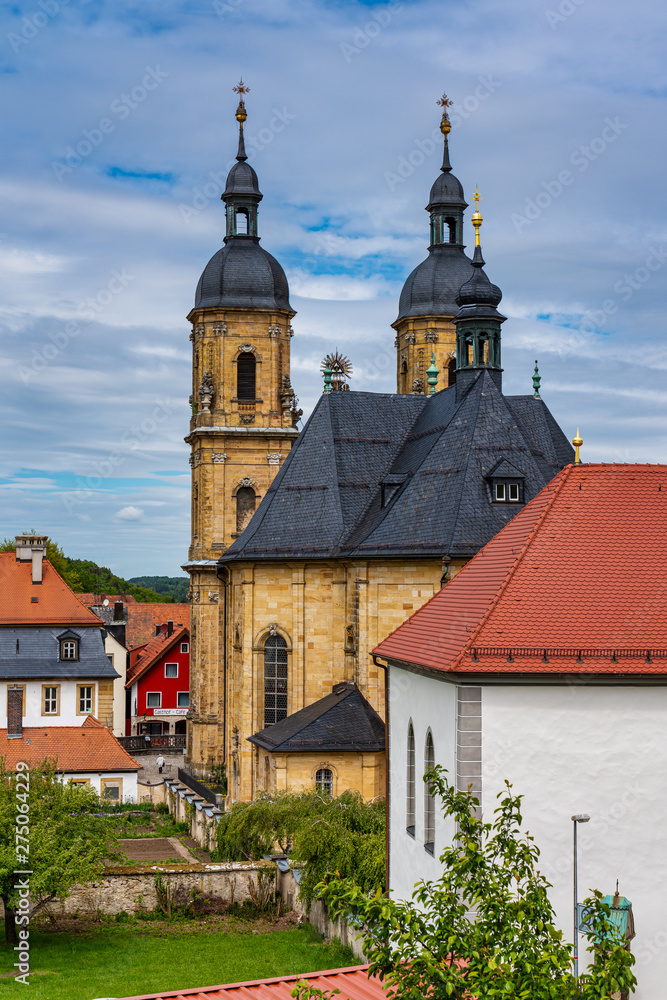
336, 369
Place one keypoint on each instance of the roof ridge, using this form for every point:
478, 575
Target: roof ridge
562, 476
159, 651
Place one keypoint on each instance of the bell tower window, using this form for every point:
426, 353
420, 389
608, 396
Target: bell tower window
246, 376
241, 221
449, 231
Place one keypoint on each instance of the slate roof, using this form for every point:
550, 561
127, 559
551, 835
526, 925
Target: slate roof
55, 602
242, 275
574, 585
326, 501
352, 983
89, 747
341, 721
39, 654
431, 289
154, 651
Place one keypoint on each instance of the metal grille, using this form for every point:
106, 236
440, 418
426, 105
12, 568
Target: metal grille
429, 803
245, 376
324, 781
275, 680
410, 784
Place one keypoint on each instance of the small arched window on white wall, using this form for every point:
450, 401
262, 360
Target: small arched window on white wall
429, 802
410, 783
324, 781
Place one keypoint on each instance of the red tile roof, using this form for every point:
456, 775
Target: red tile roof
89, 747
574, 584
97, 599
153, 651
352, 982
142, 619
56, 604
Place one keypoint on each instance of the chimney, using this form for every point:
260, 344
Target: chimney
170, 627
118, 611
32, 548
14, 713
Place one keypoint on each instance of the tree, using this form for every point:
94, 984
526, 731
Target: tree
343, 834
485, 927
47, 828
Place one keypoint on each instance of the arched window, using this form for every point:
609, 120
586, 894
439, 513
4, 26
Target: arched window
324, 780
429, 802
450, 233
246, 501
275, 680
241, 221
451, 371
246, 376
410, 784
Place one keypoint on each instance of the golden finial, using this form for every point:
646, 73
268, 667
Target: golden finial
577, 442
444, 103
477, 218
241, 89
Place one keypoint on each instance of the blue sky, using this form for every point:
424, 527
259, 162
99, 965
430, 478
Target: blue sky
118, 130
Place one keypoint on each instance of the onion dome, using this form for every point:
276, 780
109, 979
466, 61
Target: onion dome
431, 288
242, 274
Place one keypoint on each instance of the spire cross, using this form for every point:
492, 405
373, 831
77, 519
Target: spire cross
444, 102
477, 198
241, 89
477, 218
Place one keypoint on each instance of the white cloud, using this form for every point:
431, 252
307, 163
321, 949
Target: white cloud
129, 514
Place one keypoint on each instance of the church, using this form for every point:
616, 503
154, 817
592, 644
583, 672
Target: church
309, 548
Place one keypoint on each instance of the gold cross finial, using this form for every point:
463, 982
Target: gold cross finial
477, 218
241, 88
444, 102
445, 126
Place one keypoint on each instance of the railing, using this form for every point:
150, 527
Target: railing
196, 786
139, 744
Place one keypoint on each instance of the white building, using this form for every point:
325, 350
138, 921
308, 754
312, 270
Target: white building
544, 662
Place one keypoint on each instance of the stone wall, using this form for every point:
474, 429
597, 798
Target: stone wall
318, 915
132, 888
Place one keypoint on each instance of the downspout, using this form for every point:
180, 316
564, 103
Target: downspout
224, 580
387, 785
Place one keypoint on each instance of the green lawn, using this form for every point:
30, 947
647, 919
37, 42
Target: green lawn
120, 961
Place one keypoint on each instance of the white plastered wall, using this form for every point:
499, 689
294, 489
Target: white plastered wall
582, 748
33, 702
95, 778
118, 655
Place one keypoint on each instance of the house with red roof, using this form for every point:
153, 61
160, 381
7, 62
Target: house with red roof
53, 650
544, 662
158, 683
86, 754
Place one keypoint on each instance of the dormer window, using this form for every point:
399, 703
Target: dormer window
69, 646
507, 492
505, 483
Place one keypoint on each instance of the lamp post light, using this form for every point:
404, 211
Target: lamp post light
579, 818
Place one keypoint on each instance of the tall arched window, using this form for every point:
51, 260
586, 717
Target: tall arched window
324, 780
410, 784
450, 233
246, 501
275, 680
429, 802
246, 375
241, 221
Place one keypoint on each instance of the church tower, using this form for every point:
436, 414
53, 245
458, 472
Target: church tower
427, 305
243, 425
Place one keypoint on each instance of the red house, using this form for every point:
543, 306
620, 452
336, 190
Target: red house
158, 684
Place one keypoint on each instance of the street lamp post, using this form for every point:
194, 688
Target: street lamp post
579, 818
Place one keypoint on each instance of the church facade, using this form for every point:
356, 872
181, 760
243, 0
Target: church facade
359, 519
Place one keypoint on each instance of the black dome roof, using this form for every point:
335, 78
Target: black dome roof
243, 275
432, 287
446, 190
242, 180
478, 290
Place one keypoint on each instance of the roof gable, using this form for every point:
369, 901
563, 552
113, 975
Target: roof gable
56, 603
154, 652
88, 747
